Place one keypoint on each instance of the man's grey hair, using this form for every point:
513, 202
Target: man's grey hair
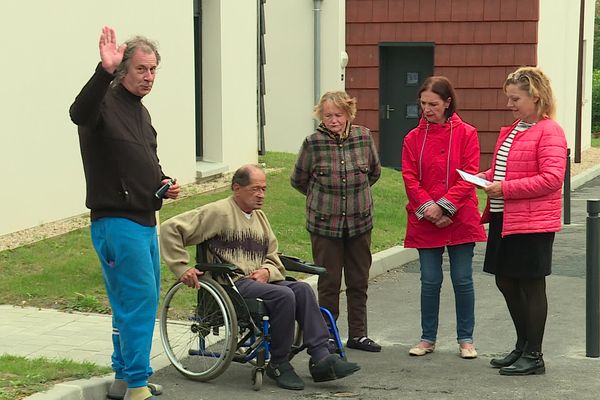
242, 175
137, 42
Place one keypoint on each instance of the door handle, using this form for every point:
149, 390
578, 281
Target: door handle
388, 109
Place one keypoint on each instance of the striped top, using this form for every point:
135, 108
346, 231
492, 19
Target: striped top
497, 205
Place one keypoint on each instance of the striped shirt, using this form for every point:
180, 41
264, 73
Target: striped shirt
497, 204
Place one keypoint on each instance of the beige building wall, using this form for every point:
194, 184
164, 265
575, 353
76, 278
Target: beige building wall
558, 37
50, 49
289, 44
229, 75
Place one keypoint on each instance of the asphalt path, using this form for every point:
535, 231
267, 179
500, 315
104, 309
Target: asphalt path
394, 322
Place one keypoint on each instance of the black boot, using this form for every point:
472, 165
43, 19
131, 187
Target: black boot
507, 360
530, 363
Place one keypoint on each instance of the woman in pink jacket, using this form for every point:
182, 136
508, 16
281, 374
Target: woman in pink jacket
524, 212
442, 209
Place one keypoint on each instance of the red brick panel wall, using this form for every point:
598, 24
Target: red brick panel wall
477, 43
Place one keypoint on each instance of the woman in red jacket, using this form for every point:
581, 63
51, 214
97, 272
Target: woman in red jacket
442, 209
524, 212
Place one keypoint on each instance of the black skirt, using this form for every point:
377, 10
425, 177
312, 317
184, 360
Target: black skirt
527, 255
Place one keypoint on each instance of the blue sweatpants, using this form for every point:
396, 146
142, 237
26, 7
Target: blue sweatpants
130, 262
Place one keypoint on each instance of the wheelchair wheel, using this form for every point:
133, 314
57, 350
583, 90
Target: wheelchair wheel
198, 329
257, 378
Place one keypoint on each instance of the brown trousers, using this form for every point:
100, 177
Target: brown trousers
353, 255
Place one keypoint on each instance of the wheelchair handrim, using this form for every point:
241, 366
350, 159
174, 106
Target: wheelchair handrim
225, 356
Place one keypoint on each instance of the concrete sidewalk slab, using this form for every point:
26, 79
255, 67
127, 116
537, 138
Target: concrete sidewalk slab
36, 332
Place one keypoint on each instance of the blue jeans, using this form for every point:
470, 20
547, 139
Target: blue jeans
461, 272
130, 262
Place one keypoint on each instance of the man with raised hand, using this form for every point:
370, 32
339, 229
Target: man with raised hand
123, 175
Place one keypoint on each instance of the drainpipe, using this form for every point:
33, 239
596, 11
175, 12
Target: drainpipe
579, 102
317, 52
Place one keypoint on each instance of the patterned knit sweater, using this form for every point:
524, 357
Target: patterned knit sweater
248, 243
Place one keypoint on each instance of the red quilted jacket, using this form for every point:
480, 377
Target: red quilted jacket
430, 156
535, 171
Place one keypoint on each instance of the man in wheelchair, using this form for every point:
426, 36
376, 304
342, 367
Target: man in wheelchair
237, 232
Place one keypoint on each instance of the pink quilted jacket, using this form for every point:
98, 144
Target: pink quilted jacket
535, 173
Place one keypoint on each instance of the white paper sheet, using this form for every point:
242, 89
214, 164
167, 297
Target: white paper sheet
475, 180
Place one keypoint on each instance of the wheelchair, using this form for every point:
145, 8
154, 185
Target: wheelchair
203, 330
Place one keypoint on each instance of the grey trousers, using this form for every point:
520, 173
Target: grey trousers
287, 302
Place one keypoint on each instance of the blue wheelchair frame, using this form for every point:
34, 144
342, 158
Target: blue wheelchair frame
251, 319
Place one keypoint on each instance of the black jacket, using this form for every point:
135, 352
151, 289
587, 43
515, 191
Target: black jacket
118, 148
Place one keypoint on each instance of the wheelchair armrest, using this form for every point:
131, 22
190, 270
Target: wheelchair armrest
218, 268
297, 265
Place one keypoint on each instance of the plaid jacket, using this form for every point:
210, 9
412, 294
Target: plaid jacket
336, 176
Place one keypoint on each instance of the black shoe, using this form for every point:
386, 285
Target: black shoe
284, 375
330, 368
507, 360
363, 343
528, 364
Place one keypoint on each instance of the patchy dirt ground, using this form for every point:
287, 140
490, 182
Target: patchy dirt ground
589, 159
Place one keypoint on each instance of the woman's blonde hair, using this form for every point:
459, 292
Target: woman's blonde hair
537, 84
341, 100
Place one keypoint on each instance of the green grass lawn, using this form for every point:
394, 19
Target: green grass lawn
63, 272
21, 377
596, 142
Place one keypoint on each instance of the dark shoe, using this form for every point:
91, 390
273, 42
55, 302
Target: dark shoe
363, 343
284, 375
528, 364
506, 361
330, 368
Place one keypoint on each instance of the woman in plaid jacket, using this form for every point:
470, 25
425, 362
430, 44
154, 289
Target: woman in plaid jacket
336, 167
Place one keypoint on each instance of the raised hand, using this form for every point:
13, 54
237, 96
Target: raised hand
110, 54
